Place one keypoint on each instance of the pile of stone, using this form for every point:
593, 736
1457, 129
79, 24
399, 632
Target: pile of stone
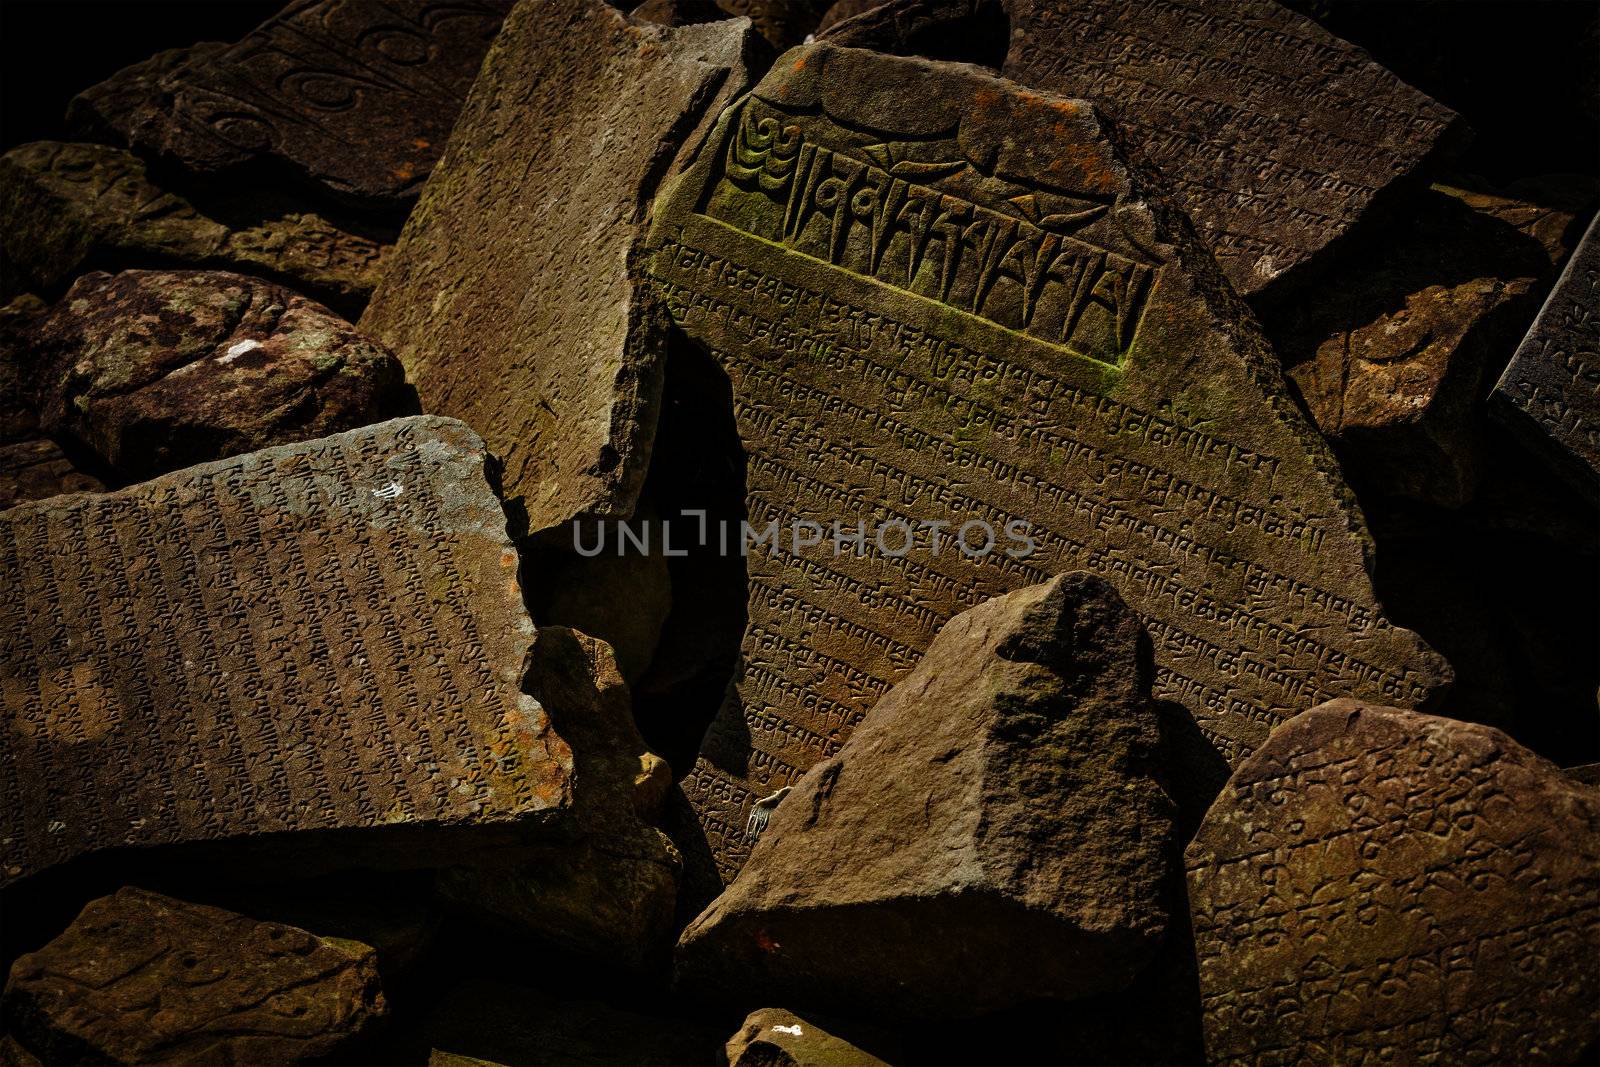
541, 534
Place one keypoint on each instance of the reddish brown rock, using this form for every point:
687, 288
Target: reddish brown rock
157, 370
354, 97
1274, 135
1393, 352
33, 470
141, 978
315, 650
944, 302
997, 805
1376, 886
514, 301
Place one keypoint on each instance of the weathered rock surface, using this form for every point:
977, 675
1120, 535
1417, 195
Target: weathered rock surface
784, 23
33, 470
773, 1037
1375, 885
144, 978
484, 1023
610, 892
157, 370
976, 312
1274, 135
513, 300
992, 833
1550, 391
325, 636
1393, 354
353, 97
19, 418
65, 208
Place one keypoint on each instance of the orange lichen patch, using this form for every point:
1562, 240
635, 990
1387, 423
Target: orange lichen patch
421, 143
765, 942
405, 171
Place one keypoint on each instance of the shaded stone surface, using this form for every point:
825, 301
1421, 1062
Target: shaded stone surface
489, 1023
33, 470
1392, 352
144, 978
513, 301
610, 891
999, 804
65, 207
773, 1037
354, 97
1375, 885
941, 297
783, 23
19, 419
1550, 391
1274, 135
325, 636
157, 370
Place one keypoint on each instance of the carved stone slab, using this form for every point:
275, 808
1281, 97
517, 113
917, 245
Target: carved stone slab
1379, 886
358, 96
321, 636
513, 302
142, 978
942, 297
1273, 134
1551, 388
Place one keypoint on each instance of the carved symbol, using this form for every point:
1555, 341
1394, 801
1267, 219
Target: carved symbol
761, 814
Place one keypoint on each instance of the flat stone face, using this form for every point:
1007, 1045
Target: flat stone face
356, 96
1274, 135
1551, 388
1378, 886
998, 804
942, 297
63, 205
142, 978
513, 301
322, 636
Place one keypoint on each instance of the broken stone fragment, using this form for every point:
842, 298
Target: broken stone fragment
991, 833
353, 98
315, 651
65, 208
142, 978
34, 470
1273, 135
1374, 880
152, 371
514, 300
1393, 354
608, 892
773, 1037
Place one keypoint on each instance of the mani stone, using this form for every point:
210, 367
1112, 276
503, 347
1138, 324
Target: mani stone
157, 370
1550, 391
513, 300
33, 470
67, 206
353, 97
1379, 886
1393, 356
140, 978
991, 834
1274, 135
941, 297
609, 893
326, 636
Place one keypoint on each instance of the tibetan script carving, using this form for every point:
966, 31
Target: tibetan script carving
320, 636
357, 96
513, 300
1379, 886
1273, 134
941, 297
1551, 388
